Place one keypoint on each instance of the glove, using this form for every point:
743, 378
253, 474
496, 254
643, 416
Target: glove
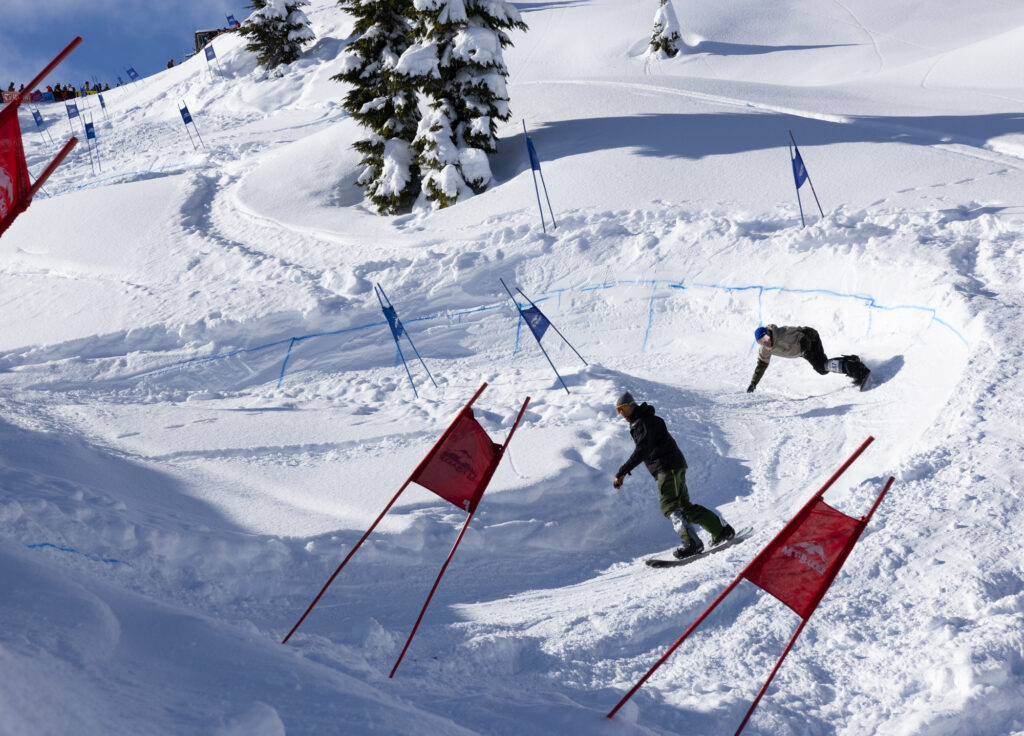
617, 481
750, 388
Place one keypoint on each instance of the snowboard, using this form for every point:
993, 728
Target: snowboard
741, 535
867, 379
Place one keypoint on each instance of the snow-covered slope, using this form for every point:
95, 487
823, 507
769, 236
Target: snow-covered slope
173, 492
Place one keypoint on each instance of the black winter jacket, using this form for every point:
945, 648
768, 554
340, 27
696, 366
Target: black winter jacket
655, 447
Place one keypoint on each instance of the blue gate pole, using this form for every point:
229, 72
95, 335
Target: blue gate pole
378, 291
519, 309
409, 338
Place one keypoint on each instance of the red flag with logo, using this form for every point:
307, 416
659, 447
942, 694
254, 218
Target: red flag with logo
458, 464
14, 181
799, 565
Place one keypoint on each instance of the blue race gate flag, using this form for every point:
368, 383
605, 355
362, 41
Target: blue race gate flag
391, 315
232, 21
799, 170
90, 131
38, 118
800, 176
534, 159
102, 103
393, 322
132, 74
72, 109
538, 324
536, 321
186, 116
210, 54
535, 170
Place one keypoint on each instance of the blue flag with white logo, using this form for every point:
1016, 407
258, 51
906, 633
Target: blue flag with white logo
534, 159
132, 74
185, 115
90, 131
799, 170
536, 320
38, 118
232, 21
72, 109
210, 54
393, 322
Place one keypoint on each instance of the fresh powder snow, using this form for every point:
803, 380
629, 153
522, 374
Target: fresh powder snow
202, 409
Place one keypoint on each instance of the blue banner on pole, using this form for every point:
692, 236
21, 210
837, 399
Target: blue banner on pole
536, 320
534, 160
185, 115
210, 54
132, 74
799, 170
90, 131
232, 21
72, 109
102, 103
38, 118
393, 322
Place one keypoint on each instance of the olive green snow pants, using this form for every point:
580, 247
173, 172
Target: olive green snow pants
672, 489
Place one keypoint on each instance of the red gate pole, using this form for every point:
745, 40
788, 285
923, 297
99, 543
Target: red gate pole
775, 669
431, 595
387, 508
829, 575
345, 561
52, 166
476, 500
736, 582
49, 68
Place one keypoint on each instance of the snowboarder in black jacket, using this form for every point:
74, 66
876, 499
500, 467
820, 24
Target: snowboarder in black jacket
657, 449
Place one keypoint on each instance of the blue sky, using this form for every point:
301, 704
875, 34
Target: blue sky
143, 34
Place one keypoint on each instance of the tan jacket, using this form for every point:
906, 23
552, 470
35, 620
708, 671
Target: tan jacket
786, 343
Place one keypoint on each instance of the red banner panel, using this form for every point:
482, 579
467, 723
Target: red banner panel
14, 182
795, 567
458, 465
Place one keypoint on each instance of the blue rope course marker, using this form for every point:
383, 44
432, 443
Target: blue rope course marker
94, 558
866, 299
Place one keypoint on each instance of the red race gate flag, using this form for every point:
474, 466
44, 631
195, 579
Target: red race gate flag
796, 567
16, 191
458, 468
454, 468
14, 183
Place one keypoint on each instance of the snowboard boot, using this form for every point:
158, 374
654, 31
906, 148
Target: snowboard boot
856, 370
848, 365
692, 547
725, 535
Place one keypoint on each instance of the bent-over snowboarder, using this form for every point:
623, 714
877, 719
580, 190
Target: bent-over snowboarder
657, 449
802, 342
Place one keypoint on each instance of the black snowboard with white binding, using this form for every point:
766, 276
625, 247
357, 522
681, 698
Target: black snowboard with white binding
738, 537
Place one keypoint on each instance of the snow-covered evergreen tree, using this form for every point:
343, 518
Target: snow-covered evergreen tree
383, 102
666, 37
277, 31
456, 61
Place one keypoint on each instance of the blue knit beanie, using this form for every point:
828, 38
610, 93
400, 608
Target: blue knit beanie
759, 333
